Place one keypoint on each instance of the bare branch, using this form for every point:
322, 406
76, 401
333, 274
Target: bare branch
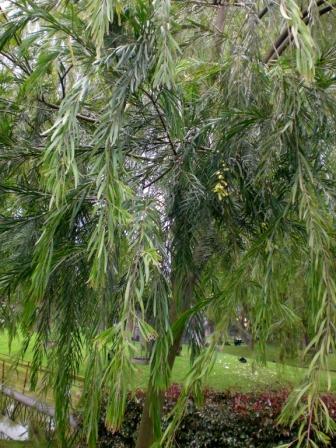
62, 79
56, 107
286, 37
160, 177
153, 101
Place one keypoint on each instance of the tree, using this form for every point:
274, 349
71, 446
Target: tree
156, 167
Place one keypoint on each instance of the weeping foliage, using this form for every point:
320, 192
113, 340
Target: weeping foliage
155, 172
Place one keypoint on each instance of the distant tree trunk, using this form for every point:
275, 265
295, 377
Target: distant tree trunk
244, 334
219, 26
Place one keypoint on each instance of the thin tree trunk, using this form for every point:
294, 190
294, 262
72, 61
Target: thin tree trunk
146, 429
146, 435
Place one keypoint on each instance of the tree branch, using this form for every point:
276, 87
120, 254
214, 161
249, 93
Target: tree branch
62, 79
263, 12
18, 42
286, 37
56, 107
15, 62
160, 177
157, 109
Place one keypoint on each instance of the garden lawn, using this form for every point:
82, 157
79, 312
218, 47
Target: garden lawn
228, 371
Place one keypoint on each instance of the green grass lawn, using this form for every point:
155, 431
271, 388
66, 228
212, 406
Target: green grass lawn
228, 372
273, 355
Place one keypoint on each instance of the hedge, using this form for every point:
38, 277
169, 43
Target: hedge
232, 420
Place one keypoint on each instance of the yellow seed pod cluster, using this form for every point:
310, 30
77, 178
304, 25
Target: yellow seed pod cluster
221, 186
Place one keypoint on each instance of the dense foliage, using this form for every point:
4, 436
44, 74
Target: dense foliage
162, 162
225, 420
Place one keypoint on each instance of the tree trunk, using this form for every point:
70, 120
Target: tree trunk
146, 434
220, 19
219, 25
243, 333
146, 429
